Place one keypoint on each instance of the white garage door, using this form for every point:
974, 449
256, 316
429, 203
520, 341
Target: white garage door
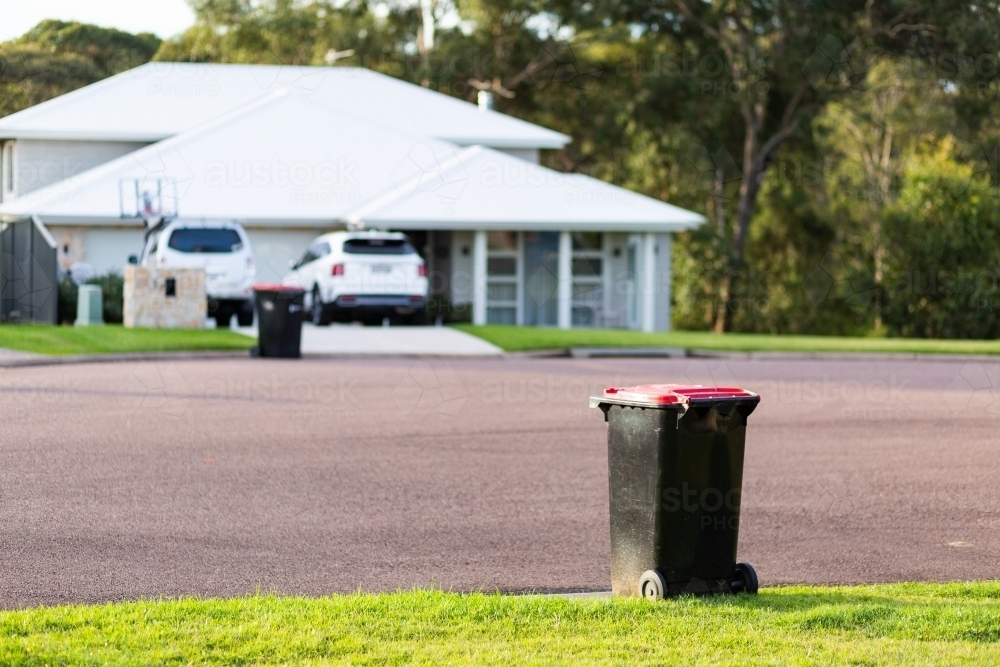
274, 249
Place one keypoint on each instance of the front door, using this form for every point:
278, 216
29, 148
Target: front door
541, 278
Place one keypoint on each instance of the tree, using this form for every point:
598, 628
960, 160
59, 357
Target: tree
943, 250
869, 134
56, 57
783, 60
277, 32
111, 51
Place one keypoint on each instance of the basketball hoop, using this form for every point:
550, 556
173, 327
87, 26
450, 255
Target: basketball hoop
151, 199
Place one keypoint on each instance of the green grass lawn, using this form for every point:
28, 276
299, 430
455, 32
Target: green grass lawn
54, 340
904, 624
514, 339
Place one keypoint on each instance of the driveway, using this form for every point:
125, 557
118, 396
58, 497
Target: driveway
221, 477
422, 341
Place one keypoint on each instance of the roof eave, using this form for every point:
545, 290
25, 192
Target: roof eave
327, 223
553, 143
539, 225
7, 134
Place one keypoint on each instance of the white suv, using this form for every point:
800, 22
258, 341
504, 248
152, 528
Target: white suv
364, 276
222, 249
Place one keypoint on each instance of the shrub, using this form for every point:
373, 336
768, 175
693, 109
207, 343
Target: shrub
67, 300
112, 295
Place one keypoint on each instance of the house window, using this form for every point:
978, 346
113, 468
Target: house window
502, 260
588, 279
7, 168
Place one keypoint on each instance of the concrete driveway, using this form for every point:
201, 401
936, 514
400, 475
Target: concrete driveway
421, 341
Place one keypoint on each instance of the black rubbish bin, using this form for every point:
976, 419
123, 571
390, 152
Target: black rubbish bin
675, 467
279, 320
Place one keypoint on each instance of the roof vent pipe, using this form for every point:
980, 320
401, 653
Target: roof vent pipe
485, 99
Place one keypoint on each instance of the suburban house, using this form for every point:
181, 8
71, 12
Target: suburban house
292, 152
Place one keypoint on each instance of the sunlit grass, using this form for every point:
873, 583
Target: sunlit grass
53, 340
515, 339
905, 624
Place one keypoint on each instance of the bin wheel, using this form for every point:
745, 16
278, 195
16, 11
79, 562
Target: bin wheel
652, 585
746, 579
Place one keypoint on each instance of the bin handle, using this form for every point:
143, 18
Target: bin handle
605, 404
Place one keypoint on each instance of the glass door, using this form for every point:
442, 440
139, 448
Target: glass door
541, 278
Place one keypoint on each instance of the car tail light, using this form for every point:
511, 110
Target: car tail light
347, 297
337, 270
416, 297
422, 270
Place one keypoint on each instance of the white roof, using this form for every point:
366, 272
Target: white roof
287, 160
159, 100
282, 158
480, 188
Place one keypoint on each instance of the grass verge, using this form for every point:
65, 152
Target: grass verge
515, 339
909, 624
53, 340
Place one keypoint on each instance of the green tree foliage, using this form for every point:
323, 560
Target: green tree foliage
281, 32
867, 137
56, 57
798, 129
764, 71
943, 250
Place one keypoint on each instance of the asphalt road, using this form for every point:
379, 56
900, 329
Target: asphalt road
224, 477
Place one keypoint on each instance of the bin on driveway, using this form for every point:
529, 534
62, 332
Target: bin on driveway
279, 320
675, 466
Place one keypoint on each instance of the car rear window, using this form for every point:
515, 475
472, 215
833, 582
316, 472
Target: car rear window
378, 247
188, 239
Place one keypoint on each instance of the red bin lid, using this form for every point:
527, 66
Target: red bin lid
673, 394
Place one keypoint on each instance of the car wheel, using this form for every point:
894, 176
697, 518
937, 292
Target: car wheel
222, 316
244, 316
320, 313
417, 317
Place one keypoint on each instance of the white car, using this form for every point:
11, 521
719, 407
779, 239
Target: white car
362, 276
222, 249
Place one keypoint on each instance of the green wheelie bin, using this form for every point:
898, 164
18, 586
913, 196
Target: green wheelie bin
279, 320
675, 467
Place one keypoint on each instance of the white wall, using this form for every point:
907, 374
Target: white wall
8, 159
615, 289
529, 154
663, 281
108, 249
43, 162
461, 268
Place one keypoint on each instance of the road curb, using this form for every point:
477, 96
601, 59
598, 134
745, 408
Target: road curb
694, 353
40, 360
570, 353
840, 356
124, 357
